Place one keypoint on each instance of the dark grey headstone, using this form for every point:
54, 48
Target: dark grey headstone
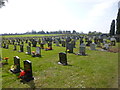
63, 58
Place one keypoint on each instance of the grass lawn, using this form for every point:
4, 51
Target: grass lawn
97, 70
30, 35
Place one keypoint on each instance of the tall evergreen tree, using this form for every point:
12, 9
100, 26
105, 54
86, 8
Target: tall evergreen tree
118, 23
112, 28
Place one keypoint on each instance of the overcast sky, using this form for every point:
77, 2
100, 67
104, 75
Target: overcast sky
19, 16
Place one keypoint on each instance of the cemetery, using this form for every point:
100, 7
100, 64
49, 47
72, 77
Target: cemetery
59, 61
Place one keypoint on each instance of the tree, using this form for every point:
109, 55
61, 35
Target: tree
2, 3
112, 28
118, 23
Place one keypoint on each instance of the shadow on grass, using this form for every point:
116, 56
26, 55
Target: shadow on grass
31, 83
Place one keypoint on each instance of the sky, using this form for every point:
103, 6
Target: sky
20, 16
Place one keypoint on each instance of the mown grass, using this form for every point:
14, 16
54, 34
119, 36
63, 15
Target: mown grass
97, 70
31, 35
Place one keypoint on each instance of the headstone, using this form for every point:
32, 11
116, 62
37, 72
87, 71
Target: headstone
63, 43
28, 71
42, 45
69, 47
21, 48
57, 43
50, 44
38, 52
113, 41
82, 49
106, 46
7, 46
73, 42
34, 43
15, 48
29, 44
92, 46
28, 50
88, 43
62, 58
16, 67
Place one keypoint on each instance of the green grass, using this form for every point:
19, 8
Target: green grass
97, 70
31, 35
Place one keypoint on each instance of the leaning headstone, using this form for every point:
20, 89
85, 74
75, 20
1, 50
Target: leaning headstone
16, 67
62, 58
38, 52
28, 71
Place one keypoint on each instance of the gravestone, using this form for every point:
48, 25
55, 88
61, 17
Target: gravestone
34, 43
21, 48
63, 43
113, 41
106, 46
57, 42
82, 49
15, 48
88, 43
62, 58
50, 44
29, 44
4, 45
69, 47
28, 71
7, 46
42, 45
92, 46
16, 67
28, 50
99, 44
38, 52
73, 42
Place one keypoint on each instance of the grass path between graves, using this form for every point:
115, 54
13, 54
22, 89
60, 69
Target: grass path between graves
97, 70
